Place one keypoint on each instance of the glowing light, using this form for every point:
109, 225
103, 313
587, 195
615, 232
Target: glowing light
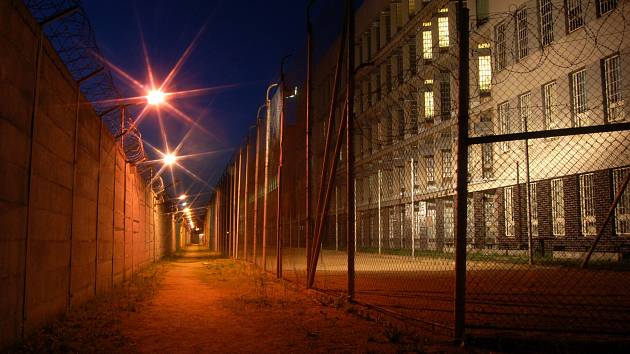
186, 210
182, 197
169, 159
184, 203
155, 97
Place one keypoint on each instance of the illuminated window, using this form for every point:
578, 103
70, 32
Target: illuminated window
546, 22
443, 32
622, 210
427, 50
604, 6
485, 73
430, 161
522, 33
550, 102
428, 104
575, 16
509, 211
533, 188
504, 123
557, 207
447, 164
612, 89
587, 205
449, 220
412, 6
578, 86
500, 38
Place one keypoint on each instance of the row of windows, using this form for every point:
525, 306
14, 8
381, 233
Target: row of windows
588, 224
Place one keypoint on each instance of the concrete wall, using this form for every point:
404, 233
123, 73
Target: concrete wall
75, 219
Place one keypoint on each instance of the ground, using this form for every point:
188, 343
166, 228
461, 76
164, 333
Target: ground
198, 302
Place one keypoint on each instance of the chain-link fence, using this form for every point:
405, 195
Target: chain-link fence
544, 137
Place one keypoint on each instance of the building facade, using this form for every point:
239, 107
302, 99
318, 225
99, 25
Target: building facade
535, 65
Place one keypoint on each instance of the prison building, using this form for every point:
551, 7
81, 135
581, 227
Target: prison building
534, 66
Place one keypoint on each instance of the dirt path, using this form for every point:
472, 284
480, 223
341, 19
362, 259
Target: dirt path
206, 304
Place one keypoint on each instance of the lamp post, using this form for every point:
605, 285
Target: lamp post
266, 176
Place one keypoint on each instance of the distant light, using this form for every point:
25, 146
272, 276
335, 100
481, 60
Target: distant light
155, 97
169, 159
182, 197
295, 93
186, 210
184, 203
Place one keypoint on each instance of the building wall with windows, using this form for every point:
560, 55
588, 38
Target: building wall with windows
535, 65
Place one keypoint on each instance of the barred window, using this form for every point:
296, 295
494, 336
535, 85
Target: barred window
557, 207
470, 218
604, 6
428, 104
445, 95
622, 210
509, 211
501, 57
430, 164
612, 89
449, 220
491, 227
504, 123
412, 55
487, 160
533, 190
485, 73
578, 86
447, 164
587, 205
550, 102
427, 50
524, 109
443, 40
575, 16
546, 22
522, 34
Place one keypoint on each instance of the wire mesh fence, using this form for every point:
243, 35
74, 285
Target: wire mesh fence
547, 211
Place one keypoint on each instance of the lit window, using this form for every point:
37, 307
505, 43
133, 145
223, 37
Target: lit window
546, 22
485, 73
578, 85
521, 30
443, 32
504, 123
448, 221
575, 16
430, 169
557, 207
622, 210
604, 6
587, 205
533, 189
509, 211
427, 50
612, 89
550, 101
447, 164
428, 104
500, 39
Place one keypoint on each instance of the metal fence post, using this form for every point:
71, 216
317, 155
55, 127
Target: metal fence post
462, 174
350, 150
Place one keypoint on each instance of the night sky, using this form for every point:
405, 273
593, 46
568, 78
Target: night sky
241, 46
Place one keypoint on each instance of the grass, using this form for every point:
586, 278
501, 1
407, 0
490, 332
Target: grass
504, 258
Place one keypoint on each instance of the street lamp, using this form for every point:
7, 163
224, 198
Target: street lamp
155, 97
169, 159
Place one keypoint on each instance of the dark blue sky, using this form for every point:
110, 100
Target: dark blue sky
242, 45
